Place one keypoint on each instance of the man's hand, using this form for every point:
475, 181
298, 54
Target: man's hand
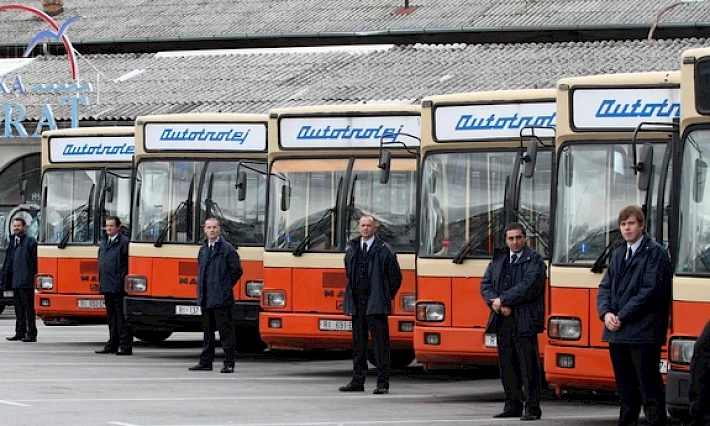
495, 305
611, 322
506, 311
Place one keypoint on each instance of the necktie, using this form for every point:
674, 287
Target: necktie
513, 258
17, 241
629, 255
211, 248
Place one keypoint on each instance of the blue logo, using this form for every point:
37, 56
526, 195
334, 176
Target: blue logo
387, 134
611, 108
187, 135
468, 122
98, 149
53, 35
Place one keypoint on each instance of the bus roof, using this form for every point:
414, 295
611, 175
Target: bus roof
490, 119
201, 135
100, 146
692, 97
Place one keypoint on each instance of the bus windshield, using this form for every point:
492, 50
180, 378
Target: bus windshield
594, 182
462, 200
75, 199
393, 204
311, 204
694, 220
173, 199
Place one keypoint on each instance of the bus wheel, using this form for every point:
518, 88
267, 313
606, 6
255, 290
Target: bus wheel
399, 358
249, 341
679, 414
152, 336
2, 308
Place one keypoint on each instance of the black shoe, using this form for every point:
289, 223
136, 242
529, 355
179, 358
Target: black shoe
124, 352
380, 390
506, 414
105, 351
352, 387
28, 339
228, 368
531, 414
15, 338
201, 367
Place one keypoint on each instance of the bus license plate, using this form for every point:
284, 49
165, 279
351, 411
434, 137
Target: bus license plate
335, 325
8, 293
188, 310
91, 304
663, 366
491, 341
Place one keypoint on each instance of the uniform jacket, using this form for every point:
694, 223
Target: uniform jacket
20, 265
218, 273
113, 264
526, 297
383, 274
640, 297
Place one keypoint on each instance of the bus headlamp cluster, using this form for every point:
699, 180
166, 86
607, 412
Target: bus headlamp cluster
44, 282
430, 312
274, 298
681, 350
136, 284
564, 328
254, 288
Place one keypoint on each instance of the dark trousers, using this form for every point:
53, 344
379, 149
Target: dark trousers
378, 328
120, 334
639, 382
25, 324
519, 364
214, 319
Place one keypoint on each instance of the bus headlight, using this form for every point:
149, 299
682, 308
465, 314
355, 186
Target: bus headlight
253, 288
430, 312
136, 284
681, 350
44, 282
408, 301
564, 328
275, 298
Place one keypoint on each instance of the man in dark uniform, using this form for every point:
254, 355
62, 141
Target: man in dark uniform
634, 302
514, 288
219, 271
700, 380
18, 275
113, 268
374, 277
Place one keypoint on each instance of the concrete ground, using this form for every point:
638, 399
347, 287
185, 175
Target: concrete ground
60, 381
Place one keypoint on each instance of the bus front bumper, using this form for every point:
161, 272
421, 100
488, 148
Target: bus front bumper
70, 309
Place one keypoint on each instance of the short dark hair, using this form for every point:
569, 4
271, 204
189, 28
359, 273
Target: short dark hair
633, 210
214, 219
115, 220
20, 219
513, 226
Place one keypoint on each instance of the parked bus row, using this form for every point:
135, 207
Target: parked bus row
443, 179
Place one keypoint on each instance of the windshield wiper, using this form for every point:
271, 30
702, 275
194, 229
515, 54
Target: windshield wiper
473, 241
600, 263
84, 209
187, 203
318, 230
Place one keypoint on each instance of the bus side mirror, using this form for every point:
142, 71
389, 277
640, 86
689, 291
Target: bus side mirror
285, 197
433, 177
241, 185
645, 167
530, 158
23, 191
110, 187
384, 165
700, 171
569, 169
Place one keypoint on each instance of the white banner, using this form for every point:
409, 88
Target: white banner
247, 137
491, 121
91, 149
348, 132
623, 109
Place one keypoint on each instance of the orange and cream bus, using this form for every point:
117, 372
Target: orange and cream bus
471, 154
602, 166
324, 175
690, 308
86, 175
186, 168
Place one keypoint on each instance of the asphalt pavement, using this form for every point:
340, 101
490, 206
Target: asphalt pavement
61, 381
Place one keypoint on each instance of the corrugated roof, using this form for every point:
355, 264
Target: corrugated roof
121, 19
257, 82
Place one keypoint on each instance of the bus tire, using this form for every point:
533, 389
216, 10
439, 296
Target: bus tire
249, 341
152, 336
399, 358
